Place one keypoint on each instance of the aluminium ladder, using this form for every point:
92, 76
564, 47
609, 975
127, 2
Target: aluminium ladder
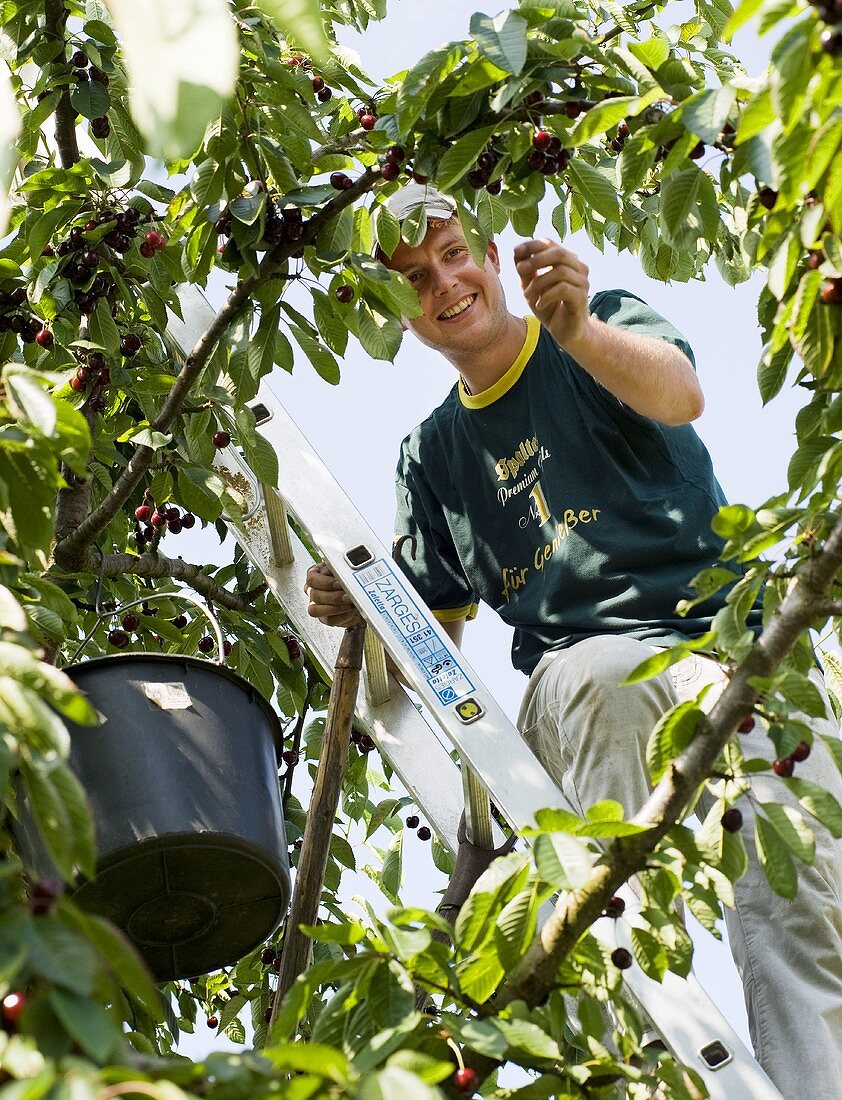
474, 724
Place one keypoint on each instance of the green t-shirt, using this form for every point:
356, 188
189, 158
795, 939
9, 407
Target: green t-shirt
563, 509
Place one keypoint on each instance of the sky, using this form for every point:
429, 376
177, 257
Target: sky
357, 426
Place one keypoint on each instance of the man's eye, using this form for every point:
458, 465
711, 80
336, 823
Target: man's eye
414, 277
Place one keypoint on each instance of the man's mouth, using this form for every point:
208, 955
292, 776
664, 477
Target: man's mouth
458, 308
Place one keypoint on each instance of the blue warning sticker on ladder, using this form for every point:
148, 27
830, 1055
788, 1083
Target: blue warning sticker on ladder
412, 625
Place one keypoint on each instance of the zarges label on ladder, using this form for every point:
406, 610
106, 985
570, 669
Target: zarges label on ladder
393, 603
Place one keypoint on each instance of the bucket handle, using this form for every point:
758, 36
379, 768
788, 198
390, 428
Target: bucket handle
187, 596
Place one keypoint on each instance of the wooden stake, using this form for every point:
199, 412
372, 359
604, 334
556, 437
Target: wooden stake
322, 812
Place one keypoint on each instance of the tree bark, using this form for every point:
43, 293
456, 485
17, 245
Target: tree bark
68, 148
321, 814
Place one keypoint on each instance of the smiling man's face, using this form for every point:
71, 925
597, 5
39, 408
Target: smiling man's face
464, 305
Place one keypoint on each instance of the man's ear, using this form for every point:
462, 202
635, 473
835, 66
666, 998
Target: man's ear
493, 255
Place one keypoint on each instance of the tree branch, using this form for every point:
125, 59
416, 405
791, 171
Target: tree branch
831, 608
68, 148
69, 551
535, 975
157, 566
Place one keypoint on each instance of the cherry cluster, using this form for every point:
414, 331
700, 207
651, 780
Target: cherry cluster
100, 126
14, 318
786, 765
323, 93
81, 256
413, 821
119, 638
80, 61
547, 156
363, 742
283, 223
155, 519
480, 174
367, 116
93, 376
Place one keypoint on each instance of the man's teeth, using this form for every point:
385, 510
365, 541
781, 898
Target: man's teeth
460, 307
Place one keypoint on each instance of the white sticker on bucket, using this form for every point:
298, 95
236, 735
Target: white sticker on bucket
168, 696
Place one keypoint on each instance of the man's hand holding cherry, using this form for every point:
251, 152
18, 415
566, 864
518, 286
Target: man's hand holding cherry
555, 284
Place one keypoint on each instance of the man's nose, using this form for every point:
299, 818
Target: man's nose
441, 279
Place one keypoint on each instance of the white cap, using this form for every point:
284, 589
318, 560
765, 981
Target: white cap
409, 198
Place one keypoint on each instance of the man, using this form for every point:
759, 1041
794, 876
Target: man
561, 483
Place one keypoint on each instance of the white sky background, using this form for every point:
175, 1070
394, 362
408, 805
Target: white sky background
357, 427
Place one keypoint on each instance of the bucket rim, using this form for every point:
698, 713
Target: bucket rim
145, 657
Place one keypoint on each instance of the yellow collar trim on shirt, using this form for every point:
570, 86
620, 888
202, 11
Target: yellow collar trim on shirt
504, 384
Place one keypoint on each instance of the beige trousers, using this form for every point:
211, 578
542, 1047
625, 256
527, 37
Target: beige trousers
590, 734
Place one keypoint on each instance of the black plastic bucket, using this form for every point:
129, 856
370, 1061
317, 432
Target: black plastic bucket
182, 776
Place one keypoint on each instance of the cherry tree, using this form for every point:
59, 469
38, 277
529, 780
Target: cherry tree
278, 154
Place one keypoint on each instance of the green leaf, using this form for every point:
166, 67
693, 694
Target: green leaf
200, 491
688, 199
329, 322
59, 954
346, 934
28, 399
379, 335
741, 16
48, 223
460, 157
663, 660
301, 20
79, 816
387, 229
318, 355
793, 830
259, 452
88, 1023
90, 99
601, 118
475, 237
309, 1058
515, 927
775, 859
594, 188
102, 330
51, 817
335, 240
122, 959
394, 1083
562, 860
819, 803
525, 1037
649, 953
196, 57
772, 371
480, 975
147, 438
706, 113
502, 39
392, 872
390, 997
674, 731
